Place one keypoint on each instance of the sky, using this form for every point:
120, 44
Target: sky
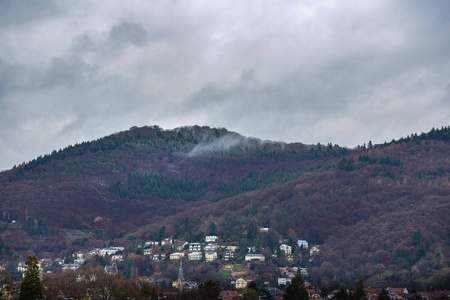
344, 72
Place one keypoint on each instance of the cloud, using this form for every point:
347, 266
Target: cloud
305, 71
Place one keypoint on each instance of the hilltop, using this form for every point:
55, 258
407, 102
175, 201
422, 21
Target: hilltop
377, 212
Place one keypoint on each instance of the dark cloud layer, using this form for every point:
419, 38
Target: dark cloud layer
341, 72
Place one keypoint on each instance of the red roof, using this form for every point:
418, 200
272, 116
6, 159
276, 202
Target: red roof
228, 295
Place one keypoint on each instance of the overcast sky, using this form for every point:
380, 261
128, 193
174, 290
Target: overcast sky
344, 72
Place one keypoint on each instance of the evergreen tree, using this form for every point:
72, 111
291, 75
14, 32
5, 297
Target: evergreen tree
384, 295
296, 290
208, 290
360, 294
324, 292
31, 287
342, 293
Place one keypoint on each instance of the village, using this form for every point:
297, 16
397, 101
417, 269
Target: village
211, 250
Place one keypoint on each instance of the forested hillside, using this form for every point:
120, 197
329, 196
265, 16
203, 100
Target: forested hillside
379, 212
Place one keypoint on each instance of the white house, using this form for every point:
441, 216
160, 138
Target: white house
211, 238
117, 257
211, 247
284, 281
210, 256
303, 243
151, 243
314, 250
286, 248
176, 255
167, 241
148, 251
108, 251
195, 247
304, 272
197, 255
252, 257
21, 267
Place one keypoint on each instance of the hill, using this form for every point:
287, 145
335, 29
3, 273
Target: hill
377, 212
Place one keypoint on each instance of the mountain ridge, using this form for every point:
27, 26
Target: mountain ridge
361, 205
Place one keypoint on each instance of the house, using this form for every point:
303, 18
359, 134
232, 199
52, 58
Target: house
159, 257
195, 247
314, 250
179, 245
284, 281
108, 251
264, 229
304, 272
176, 255
210, 256
111, 269
286, 248
283, 241
229, 255
197, 255
148, 251
151, 243
117, 257
167, 241
251, 249
231, 248
22, 267
229, 295
70, 267
303, 243
397, 293
253, 257
211, 238
211, 247
240, 283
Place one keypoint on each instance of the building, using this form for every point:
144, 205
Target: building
303, 243
211, 238
304, 272
176, 255
70, 267
229, 295
112, 269
195, 247
210, 256
179, 245
167, 241
211, 247
286, 248
240, 283
197, 255
117, 257
253, 257
284, 281
151, 243
228, 255
179, 283
314, 250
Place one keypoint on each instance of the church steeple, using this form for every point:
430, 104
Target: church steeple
180, 271
179, 283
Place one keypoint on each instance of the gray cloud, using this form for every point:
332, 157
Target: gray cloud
309, 72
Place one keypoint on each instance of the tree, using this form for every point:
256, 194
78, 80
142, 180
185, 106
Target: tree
384, 295
208, 290
342, 293
359, 293
296, 290
324, 292
31, 287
